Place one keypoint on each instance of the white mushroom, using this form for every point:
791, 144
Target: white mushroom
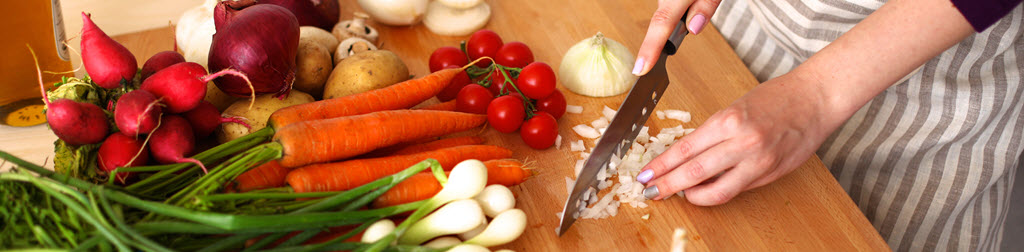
355, 28
351, 46
395, 12
445, 20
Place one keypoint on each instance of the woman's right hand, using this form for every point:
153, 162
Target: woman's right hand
664, 21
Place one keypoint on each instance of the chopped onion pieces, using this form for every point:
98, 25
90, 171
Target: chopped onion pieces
677, 115
609, 113
573, 109
586, 131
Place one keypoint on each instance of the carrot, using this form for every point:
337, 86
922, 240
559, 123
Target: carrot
390, 150
423, 185
268, 175
340, 176
439, 144
339, 138
402, 95
507, 172
446, 106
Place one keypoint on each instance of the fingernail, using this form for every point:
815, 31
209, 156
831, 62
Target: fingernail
638, 66
651, 192
697, 23
645, 176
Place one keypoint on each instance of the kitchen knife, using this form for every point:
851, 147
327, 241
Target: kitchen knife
623, 129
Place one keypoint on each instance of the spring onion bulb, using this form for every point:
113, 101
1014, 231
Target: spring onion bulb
467, 179
496, 199
597, 67
469, 248
475, 231
504, 228
378, 230
456, 217
443, 242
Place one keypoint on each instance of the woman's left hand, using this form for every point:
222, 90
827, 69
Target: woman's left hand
762, 136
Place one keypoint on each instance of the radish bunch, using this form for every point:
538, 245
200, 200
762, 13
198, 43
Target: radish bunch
159, 119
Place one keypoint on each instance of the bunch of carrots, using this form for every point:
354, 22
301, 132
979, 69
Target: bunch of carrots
342, 143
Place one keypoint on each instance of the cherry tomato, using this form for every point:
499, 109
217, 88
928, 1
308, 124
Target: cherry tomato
537, 80
506, 113
483, 43
473, 99
554, 104
498, 84
452, 90
540, 131
447, 56
514, 54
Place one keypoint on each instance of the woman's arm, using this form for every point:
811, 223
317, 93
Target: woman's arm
779, 124
890, 43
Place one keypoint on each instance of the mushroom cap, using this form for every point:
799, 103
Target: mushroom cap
444, 20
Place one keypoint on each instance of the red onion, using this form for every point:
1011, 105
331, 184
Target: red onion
260, 41
319, 13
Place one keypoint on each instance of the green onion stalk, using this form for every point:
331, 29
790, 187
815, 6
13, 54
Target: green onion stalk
106, 210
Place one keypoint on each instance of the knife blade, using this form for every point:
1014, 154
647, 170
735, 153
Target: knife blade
623, 129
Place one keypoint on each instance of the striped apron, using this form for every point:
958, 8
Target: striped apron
931, 160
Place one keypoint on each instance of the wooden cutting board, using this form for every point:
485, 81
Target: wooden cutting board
804, 211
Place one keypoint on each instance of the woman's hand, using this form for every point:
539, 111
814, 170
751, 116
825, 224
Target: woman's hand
762, 136
775, 127
664, 21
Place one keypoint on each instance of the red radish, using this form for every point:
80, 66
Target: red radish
75, 123
182, 86
120, 150
106, 61
205, 118
261, 41
137, 112
172, 141
160, 61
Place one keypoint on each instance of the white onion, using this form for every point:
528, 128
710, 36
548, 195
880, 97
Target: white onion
598, 67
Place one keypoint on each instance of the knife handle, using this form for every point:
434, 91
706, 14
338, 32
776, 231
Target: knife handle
674, 40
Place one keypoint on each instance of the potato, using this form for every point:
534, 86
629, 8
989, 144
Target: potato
259, 114
320, 36
365, 71
218, 98
313, 66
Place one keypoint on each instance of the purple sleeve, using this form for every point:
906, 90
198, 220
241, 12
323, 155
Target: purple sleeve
983, 13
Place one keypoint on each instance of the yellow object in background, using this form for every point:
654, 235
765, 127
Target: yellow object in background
37, 23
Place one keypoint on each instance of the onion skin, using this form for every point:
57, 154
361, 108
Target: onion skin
320, 13
260, 41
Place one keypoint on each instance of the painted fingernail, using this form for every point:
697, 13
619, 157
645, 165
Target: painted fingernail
638, 66
697, 23
645, 176
651, 192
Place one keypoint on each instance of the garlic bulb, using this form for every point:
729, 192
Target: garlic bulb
194, 32
597, 67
